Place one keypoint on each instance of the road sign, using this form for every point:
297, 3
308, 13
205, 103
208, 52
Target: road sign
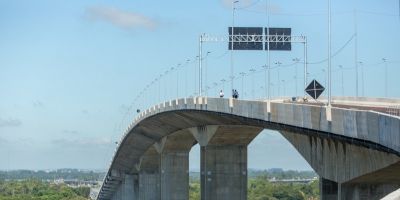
279, 39
239, 44
253, 38
315, 89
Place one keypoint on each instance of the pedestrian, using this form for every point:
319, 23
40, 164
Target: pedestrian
221, 94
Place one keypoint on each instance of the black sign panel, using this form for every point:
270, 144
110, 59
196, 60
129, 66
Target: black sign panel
278, 35
314, 89
245, 31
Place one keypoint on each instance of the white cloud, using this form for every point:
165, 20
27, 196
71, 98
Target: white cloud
10, 122
253, 5
83, 142
120, 18
241, 3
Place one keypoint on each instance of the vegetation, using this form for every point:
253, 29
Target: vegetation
52, 175
259, 188
38, 190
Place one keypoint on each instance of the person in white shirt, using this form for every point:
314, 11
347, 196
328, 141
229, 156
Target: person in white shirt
221, 94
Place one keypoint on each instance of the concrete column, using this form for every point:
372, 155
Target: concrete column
224, 160
149, 175
175, 165
118, 193
128, 187
328, 189
224, 172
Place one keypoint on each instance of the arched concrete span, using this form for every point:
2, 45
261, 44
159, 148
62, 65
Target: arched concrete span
351, 145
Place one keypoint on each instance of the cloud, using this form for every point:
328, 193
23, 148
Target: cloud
73, 132
38, 104
241, 3
254, 5
120, 18
83, 142
10, 122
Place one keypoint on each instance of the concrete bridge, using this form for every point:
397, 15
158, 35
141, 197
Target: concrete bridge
354, 146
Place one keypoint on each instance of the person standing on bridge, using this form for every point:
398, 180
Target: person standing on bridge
221, 94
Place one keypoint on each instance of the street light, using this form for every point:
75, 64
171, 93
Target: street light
186, 82
386, 77
223, 84
233, 24
362, 77
177, 80
265, 79
206, 70
252, 70
329, 53
341, 69
279, 64
296, 60
242, 74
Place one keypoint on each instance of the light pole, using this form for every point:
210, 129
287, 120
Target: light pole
362, 77
386, 77
341, 70
355, 51
265, 80
284, 87
252, 70
223, 84
242, 74
233, 24
215, 84
329, 53
279, 64
186, 69
177, 80
296, 60
206, 70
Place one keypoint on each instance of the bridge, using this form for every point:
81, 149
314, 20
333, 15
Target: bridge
354, 146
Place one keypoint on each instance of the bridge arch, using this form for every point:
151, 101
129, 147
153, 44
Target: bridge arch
321, 142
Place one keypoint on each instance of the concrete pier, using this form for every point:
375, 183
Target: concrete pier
174, 151
149, 175
224, 161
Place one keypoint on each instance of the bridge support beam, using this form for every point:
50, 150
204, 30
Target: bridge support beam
149, 175
174, 151
331, 190
348, 171
224, 160
127, 190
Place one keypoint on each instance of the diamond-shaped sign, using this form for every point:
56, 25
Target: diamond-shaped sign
314, 89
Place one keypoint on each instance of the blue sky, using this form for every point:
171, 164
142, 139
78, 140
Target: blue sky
70, 70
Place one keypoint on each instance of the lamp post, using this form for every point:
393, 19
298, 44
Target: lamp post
362, 77
233, 24
206, 71
177, 80
279, 64
296, 60
341, 70
186, 69
386, 76
329, 53
265, 80
252, 70
223, 84
242, 74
